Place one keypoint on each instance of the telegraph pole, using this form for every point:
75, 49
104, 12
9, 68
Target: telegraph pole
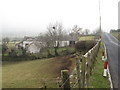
100, 18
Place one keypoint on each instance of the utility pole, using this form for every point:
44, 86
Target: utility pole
100, 18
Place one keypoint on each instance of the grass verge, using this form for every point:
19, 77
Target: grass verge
96, 79
116, 35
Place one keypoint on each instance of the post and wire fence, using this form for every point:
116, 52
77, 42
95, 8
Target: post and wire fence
79, 77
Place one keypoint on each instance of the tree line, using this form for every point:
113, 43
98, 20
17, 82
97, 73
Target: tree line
52, 37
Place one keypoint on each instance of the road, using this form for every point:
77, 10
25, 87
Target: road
112, 46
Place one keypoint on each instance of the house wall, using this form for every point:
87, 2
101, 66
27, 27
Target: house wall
26, 42
62, 43
33, 49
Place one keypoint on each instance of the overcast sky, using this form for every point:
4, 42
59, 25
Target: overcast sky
27, 17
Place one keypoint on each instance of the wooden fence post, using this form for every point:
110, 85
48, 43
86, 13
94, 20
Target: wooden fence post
65, 79
95, 50
83, 72
78, 72
86, 73
93, 58
89, 64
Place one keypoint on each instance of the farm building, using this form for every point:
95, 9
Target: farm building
65, 43
30, 44
34, 45
62, 43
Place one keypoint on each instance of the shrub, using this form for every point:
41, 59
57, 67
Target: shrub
82, 46
4, 48
90, 44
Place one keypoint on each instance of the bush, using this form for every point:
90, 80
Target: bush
4, 48
65, 52
82, 46
90, 44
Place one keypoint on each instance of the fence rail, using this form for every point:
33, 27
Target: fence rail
79, 78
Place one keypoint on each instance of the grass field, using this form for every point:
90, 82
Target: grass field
32, 74
115, 34
97, 80
86, 38
11, 45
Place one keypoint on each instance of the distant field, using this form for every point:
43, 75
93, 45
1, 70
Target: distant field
115, 34
11, 45
32, 74
86, 38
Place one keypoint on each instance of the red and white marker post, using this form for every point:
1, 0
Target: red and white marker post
103, 55
104, 58
105, 68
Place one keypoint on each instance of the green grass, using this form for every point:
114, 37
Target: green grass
97, 80
32, 74
61, 51
86, 38
117, 35
11, 45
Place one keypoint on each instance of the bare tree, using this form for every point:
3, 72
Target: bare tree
77, 29
76, 32
55, 34
6, 40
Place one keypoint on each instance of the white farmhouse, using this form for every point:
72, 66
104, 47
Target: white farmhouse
62, 43
34, 48
31, 45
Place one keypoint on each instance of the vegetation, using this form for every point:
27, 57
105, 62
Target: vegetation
6, 40
13, 54
87, 37
4, 48
33, 74
97, 80
84, 46
115, 33
18, 55
11, 45
54, 35
38, 72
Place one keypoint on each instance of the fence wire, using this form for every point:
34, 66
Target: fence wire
70, 76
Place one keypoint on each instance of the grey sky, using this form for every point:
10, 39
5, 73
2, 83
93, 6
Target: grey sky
27, 17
